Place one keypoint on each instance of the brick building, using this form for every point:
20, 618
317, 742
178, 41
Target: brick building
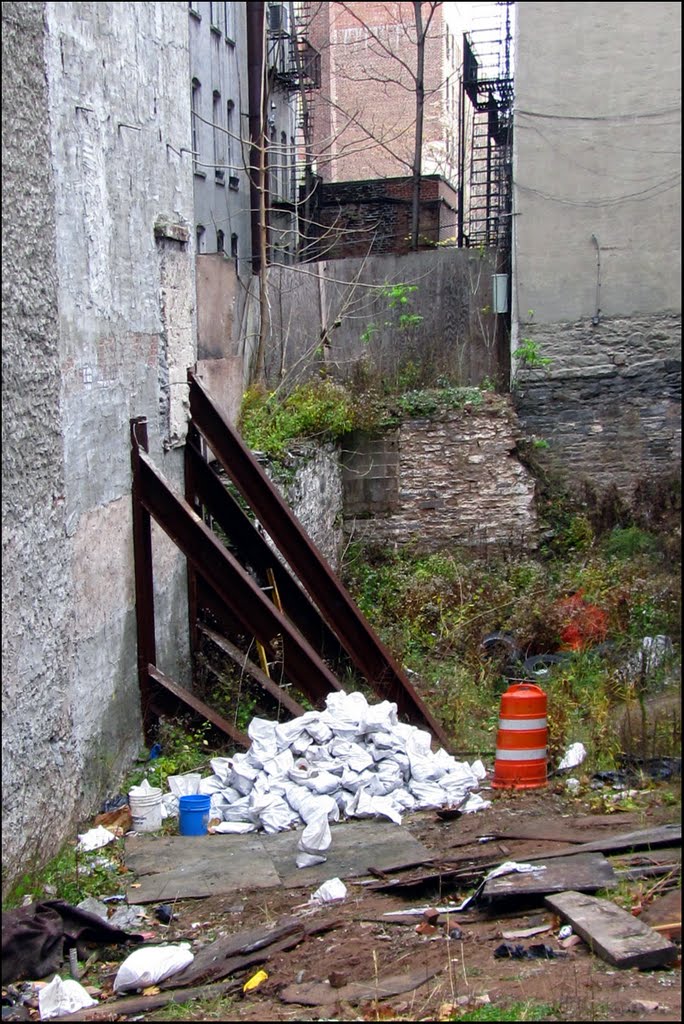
364, 120
358, 218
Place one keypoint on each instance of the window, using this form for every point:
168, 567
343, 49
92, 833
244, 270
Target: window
234, 250
217, 110
220, 241
293, 171
193, 8
229, 19
283, 166
196, 103
230, 128
214, 16
200, 236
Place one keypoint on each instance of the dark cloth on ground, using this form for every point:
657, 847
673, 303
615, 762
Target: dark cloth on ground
36, 938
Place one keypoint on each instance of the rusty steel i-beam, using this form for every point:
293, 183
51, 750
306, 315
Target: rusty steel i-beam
334, 602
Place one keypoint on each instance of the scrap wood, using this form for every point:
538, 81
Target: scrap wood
246, 949
618, 937
322, 993
130, 1005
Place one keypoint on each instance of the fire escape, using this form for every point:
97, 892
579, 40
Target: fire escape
295, 66
488, 86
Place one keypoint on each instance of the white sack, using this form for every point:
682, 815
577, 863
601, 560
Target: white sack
150, 965
61, 997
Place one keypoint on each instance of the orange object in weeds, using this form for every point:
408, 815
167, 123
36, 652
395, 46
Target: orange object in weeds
585, 624
521, 738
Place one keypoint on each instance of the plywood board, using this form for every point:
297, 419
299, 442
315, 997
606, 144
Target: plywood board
183, 867
584, 872
619, 938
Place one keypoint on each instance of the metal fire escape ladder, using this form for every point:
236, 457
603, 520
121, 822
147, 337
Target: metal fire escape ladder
308, 565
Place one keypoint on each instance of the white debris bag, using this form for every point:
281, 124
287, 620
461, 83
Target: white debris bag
62, 997
351, 760
152, 964
332, 890
573, 756
95, 839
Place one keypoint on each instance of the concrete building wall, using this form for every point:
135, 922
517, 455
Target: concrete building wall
218, 86
597, 211
335, 316
98, 328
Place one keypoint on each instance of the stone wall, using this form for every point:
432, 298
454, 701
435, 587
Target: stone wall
450, 481
609, 403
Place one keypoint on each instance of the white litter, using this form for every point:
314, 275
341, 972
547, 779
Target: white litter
509, 867
332, 890
351, 760
151, 964
573, 756
95, 839
62, 997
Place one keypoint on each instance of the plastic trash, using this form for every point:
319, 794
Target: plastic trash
152, 964
61, 997
255, 981
95, 839
565, 932
573, 756
332, 890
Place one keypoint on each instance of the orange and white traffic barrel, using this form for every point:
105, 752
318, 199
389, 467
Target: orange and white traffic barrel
521, 738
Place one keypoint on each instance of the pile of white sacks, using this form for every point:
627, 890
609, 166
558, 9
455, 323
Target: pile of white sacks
352, 760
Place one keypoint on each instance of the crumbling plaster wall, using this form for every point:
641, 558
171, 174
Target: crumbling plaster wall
99, 328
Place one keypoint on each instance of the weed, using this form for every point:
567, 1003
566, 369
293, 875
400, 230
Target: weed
72, 876
185, 748
524, 1010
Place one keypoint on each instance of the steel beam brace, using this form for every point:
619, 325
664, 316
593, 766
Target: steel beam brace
241, 659
254, 550
251, 607
336, 605
156, 676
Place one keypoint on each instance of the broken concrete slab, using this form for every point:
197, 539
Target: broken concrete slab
183, 867
619, 938
583, 872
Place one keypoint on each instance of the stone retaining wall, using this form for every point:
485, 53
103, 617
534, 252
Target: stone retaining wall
453, 480
609, 404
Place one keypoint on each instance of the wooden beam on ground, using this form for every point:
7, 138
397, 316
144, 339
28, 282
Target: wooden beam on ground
619, 938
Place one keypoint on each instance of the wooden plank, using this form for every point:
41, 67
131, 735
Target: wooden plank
317, 993
548, 834
129, 1005
619, 938
583, 872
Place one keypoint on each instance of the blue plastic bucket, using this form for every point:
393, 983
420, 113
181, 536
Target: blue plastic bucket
193, 813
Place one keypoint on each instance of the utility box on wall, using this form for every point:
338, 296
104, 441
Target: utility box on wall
500, 293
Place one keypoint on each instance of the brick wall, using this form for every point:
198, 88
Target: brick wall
359, 48
355, 218
451, 481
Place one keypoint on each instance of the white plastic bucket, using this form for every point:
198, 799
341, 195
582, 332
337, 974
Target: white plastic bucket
146, 811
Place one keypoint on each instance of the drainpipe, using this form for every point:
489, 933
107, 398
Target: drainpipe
256, 98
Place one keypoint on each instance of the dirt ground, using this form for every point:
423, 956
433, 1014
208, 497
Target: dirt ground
580, 986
